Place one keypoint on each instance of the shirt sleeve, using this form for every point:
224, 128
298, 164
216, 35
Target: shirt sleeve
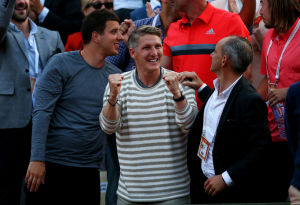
227, 179
43, 15
185, 118
109, 126
48, 91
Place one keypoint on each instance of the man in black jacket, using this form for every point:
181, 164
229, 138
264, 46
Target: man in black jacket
227, 143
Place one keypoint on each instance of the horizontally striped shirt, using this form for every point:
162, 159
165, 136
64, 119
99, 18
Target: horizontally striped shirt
151, 140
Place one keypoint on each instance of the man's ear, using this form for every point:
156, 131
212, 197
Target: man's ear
96, 37
132, 53
225, 60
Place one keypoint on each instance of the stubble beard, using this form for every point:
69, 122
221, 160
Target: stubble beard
20, 18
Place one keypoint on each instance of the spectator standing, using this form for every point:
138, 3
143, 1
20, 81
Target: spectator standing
64, 16
151, 113
126, 63
292, 124
67, 142
161, 21
191, 39
228, 142
281, 68
24, 51
74, 41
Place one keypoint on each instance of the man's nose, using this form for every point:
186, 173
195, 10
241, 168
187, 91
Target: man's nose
119, 36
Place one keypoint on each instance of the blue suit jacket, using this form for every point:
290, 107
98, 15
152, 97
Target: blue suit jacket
15, 88
292, 126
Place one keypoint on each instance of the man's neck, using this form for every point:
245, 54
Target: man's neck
195, 9
92, 56
226, 80
148, 78
23, 26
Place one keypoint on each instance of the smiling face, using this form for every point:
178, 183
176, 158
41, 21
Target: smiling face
21, 11
147, 55
111, 38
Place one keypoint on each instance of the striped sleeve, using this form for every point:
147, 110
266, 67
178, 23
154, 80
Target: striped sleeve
109, 126
185, 118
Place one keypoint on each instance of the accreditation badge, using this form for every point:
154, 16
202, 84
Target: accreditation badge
203, 148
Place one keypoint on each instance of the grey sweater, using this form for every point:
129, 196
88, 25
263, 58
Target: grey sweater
65, 119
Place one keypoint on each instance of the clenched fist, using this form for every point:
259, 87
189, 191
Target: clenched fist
114, 81
172, 81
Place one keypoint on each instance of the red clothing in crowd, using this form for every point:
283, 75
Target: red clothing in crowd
74, 42
289, 67
189, 45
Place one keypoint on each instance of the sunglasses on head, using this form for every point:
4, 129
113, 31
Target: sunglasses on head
98, 5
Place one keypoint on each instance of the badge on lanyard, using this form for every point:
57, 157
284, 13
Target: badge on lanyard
203, 148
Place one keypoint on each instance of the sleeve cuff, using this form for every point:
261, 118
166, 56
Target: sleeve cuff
43, 14
227, 179
201, 88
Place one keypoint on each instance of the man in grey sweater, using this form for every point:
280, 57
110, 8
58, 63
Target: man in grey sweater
67, 142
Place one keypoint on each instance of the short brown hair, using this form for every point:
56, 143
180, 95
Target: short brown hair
283, 14
96, 21
141, 31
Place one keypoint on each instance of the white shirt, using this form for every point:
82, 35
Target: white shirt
212, 114
44, 12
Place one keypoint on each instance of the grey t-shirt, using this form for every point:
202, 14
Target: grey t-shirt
65, 119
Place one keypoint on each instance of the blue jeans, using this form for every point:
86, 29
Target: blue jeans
113, 170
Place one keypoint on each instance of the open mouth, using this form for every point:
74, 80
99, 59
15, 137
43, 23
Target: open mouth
21, 6
153, 60
117, 45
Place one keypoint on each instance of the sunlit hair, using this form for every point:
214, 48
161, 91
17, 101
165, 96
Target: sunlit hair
142, 31
240, 53
283, 14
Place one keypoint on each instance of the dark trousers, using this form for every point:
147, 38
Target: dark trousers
113, 170
14, 156
67, 185
281, 167
251, 191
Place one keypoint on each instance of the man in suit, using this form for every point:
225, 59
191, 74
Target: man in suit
227, 143
24, 51
64, 16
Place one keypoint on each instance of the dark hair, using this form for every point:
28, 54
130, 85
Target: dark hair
283, 14
96, 21
141, 31
240, 53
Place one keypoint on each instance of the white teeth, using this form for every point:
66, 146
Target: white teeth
154, 60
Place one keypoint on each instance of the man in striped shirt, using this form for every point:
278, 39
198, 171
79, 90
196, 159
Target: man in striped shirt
151, 113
